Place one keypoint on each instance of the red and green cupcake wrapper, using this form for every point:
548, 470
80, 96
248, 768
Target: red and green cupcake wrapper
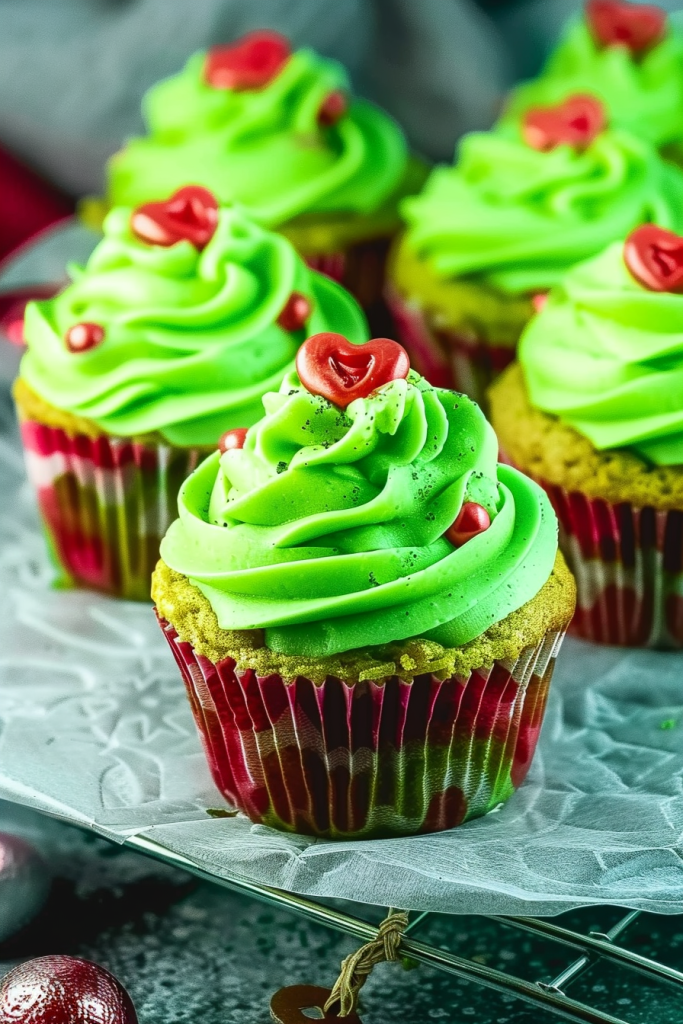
369, 759
361, 269
628, 565
447, 359
106, 503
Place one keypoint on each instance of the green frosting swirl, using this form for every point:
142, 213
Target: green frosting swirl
642, 93
606, 356
327, 529
191, 340
519, 218
263, 148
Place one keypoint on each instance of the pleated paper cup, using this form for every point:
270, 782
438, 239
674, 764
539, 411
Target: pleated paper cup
468, 364
106, 503
628, 565
368, 759
361, 269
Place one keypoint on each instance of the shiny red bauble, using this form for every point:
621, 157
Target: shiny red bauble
332, 108
191, 214
250, 63
639, 27
654, 256
472, 520
63, 990
576, 122
329, 365
231, 440
84, 336
295, 313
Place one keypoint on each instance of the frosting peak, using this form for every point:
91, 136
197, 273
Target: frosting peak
292, 146
327, 529
520, 217
189, 339
606, 356
631, 60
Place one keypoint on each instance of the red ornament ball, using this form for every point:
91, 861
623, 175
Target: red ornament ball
250, 63
233, 439
654, 256
332, 108
295, 313
329, 365
84, 336
63, 990
472, 520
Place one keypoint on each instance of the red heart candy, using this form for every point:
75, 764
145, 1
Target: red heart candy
295, 313
576, 122
233, 439
654, 257
613, 23
331, 366
332, 108
471, 520
250, 63
191, 214
84, 336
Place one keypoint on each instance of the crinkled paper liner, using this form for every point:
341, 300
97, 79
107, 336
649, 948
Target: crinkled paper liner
445, 358
628, 564
369, 759
360, 268
106, 503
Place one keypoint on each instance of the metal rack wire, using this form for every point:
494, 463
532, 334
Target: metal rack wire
582, 950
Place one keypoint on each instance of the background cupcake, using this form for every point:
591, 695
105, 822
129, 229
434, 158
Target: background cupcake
279, 132
184, 315
594, 412
631, 56
365, 608
489, 236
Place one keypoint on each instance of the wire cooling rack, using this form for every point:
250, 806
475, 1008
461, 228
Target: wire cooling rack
579, 951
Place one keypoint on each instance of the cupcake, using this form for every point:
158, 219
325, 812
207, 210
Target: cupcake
365, 608
183, 317
594, 412
279, 132
631, 56
490, 236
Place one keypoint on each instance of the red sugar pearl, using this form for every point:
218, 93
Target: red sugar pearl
84, 336
332, 108
232, 439
295, 313
472, 520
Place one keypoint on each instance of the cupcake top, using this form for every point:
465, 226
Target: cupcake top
275, 130
629, 55
365, 507
183, 317
526, 202
606, 353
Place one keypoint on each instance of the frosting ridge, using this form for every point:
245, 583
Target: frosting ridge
264, 148
191, 339
519, 218
643, 92
326, 529
606, 356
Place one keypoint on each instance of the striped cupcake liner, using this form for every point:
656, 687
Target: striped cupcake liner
361, 269
447, 359
628, 565
367, 760
106, 503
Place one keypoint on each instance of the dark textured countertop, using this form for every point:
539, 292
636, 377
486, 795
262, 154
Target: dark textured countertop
192, 952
